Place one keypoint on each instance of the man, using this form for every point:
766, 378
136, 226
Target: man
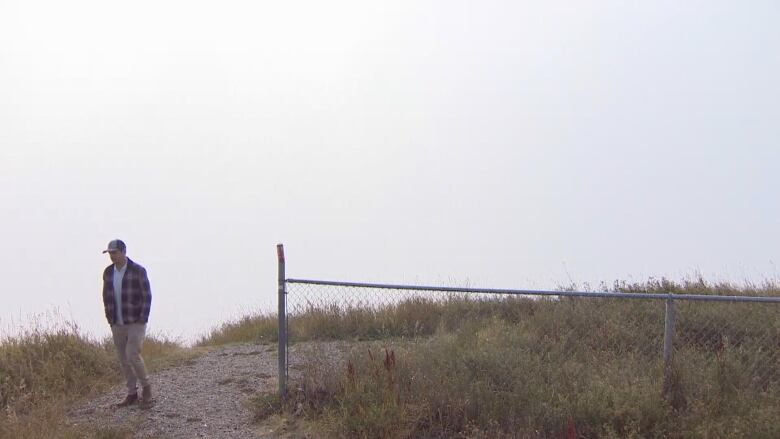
127, 298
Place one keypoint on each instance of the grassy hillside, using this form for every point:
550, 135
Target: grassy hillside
462, 367
42, 372
248, 329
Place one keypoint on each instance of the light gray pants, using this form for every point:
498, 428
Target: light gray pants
128, 340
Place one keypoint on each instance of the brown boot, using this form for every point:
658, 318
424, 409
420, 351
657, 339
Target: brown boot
130, 399
146, 396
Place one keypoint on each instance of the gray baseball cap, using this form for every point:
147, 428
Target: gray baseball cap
115, 245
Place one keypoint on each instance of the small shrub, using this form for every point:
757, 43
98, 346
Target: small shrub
265, 405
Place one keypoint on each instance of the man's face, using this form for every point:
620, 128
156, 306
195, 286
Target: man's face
117, 256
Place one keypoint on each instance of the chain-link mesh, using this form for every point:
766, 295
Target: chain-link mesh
732, 345
728, 345
325, 312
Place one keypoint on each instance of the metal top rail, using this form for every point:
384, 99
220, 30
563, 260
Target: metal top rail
646, 296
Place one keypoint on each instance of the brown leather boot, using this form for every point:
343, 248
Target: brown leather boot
146, 396
130, 399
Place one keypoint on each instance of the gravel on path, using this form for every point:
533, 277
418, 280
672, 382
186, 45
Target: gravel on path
203, 397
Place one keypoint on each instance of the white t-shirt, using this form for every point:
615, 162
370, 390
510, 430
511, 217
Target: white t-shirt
119, 274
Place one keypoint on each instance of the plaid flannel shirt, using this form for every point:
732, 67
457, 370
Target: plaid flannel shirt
136, 294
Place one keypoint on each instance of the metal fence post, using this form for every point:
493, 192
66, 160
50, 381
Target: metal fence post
282, 318
668, 345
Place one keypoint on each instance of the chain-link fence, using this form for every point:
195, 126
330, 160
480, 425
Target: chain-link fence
642, 361
682, 343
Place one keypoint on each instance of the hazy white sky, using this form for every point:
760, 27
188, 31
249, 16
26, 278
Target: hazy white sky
505, 144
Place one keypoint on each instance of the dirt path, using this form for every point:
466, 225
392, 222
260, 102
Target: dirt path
204, 397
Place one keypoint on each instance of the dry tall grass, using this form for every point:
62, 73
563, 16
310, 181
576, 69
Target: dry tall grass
546, 368
465, 368
257, 328
43, 371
